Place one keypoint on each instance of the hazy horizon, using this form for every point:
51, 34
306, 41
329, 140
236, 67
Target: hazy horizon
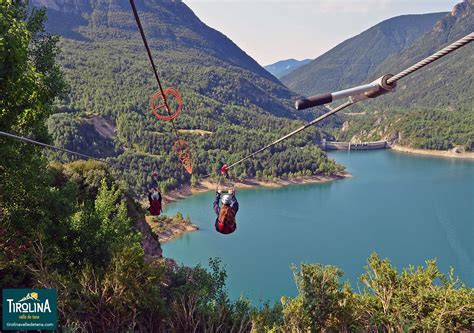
278, 30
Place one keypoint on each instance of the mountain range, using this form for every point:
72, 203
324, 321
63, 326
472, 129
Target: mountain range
232, 105
446, 82
284, 67
353, 61
432, 108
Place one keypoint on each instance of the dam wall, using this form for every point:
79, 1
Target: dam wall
371, 145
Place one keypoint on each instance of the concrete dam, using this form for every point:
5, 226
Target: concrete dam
371, 145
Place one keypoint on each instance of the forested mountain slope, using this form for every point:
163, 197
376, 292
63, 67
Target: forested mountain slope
74, 228
434, 107
353, 61
446, 82
225, 92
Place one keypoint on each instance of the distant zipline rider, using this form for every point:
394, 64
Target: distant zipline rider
154, 197
225, 222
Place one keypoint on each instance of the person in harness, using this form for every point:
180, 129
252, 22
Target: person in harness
154, 197
225, 222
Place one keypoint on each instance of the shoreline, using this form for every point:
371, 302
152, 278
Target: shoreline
430, 152
174, 228
174, 233
206, 185
177, 230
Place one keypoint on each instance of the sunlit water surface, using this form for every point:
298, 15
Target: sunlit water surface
407, 208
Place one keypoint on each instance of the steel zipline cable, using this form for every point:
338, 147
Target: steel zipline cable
87, 157
180, 147
441, 53
383, 85
27, 140
311, 123
145, 42
21, 138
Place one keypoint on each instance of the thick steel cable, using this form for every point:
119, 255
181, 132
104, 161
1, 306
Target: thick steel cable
313, 122
142, 33
13, 136
441, 53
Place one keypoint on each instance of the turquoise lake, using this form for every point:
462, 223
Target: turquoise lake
406, 208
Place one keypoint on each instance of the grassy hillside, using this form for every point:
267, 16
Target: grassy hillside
224, 90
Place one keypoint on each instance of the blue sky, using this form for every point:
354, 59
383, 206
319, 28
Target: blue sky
272, 30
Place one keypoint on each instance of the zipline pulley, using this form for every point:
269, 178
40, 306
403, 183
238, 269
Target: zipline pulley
225, 183
356, 94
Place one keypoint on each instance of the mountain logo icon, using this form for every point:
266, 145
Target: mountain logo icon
30, 296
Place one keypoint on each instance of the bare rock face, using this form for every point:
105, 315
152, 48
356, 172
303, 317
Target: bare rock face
392, 137
79, 6
66, 6
461, 11
345, 126
461, 8
458, 150
151, 245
